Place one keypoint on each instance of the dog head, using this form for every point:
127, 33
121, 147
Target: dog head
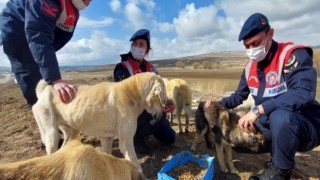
154, 90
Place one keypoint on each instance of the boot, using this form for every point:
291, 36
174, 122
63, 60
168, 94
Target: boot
272, 173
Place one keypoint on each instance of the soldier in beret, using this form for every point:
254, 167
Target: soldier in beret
282, 81
132, 63
31, 33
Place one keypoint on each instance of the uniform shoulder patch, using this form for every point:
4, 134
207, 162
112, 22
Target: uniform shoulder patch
291, 61
291, 64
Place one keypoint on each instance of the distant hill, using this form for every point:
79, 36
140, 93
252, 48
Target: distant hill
5, 70
316, 47
211, 57
188, 60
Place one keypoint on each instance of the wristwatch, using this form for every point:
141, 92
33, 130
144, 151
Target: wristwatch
255, 110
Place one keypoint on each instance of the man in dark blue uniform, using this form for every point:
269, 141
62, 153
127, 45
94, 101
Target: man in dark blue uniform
31, 33
131, 64
282, 81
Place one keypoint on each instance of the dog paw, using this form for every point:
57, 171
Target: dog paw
225, 170
234, 170
193, 148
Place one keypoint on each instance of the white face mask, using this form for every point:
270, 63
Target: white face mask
137, 53
257, 54
79, 4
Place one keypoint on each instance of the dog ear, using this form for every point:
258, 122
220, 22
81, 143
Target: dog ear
157, 92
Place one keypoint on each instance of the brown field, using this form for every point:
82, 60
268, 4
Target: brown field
20, 139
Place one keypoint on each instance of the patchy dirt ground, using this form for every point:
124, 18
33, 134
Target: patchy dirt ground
20, 139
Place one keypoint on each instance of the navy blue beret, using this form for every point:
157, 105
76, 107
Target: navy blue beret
142, 34
253, 25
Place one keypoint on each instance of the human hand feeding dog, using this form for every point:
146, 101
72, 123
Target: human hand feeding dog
246, 123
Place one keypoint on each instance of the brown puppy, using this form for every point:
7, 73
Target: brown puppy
179, 91
73, 161
105, 110
222, 124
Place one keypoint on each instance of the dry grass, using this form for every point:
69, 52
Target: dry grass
20, 139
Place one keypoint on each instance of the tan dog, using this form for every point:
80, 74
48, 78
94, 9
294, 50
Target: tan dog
222, 125
73, 161
104, 110
179, 91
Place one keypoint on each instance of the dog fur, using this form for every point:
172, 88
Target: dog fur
220, 126
105, 110
178, 90
73, 161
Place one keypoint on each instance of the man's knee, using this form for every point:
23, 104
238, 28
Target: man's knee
165, 134
281, 118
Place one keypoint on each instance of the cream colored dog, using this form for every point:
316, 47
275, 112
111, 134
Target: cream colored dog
179, 91
73, 161
105, 110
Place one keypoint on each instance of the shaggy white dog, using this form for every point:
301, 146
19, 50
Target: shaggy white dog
73, 161
105, 110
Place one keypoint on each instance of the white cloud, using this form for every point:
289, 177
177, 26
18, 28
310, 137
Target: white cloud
85, 22
115, 5
293, 20
139, 13
164, 27
149, 4
194, 22
97, 49
194, 30
201, 30
135, 16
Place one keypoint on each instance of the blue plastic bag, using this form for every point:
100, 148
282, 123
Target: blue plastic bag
184, 157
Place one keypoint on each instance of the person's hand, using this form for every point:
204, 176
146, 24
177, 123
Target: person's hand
246, 123
169, 107
67, 91
210, 101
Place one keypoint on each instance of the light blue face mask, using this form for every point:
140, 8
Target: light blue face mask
137, 53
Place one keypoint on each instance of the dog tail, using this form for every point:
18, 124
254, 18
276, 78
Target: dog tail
188, 109
187, 102
40, 87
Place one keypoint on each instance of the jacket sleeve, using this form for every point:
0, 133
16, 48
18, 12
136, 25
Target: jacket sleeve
40, 24
301, 80
120, 73
238, 96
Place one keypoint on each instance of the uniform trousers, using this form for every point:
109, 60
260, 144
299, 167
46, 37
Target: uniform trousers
287, 132
27, 74
160, 129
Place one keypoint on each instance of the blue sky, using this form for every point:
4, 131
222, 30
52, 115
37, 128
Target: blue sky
180, 27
